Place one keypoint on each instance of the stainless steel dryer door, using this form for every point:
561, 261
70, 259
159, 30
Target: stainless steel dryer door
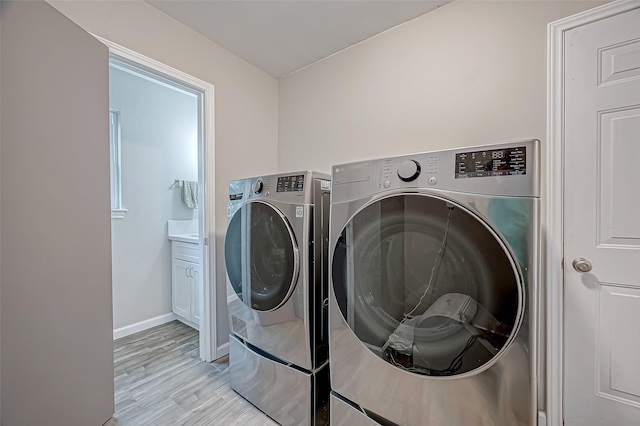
427, 285
268, 298
261, 256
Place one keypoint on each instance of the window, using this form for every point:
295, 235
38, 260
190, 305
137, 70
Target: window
117, 212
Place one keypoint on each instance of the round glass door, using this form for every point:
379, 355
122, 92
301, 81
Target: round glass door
261, 256
426, 285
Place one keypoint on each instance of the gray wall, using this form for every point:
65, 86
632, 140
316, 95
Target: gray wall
246, 98
0, 215
57, 347
468, 73
159, 129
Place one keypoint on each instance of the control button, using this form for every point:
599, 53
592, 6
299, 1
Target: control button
433, 180
408, 170
257, 187
386, 184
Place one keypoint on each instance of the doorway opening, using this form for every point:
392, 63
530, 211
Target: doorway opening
162, 198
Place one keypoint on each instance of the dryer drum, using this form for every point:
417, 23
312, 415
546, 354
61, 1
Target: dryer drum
426, 285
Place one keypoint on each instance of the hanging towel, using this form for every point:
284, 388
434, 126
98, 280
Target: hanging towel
190, 194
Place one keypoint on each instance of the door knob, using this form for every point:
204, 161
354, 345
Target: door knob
582, 265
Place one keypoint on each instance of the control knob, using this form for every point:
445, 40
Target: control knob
257, 187
408, 170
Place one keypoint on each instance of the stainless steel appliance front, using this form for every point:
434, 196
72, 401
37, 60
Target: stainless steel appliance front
290, 395
345, 414
434, 287
275, 253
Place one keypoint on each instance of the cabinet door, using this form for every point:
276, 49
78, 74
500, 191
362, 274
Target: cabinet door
195, 293
181, 294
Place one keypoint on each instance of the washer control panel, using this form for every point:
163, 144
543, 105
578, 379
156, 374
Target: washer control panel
298, 187
411, 169
493, 162
508, 169
290, 183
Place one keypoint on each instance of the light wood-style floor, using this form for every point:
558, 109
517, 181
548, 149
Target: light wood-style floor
160, 380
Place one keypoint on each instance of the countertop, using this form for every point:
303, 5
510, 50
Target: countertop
185, 238
185, 231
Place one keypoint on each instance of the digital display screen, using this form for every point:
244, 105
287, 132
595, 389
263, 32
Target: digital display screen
497, 162
290, 183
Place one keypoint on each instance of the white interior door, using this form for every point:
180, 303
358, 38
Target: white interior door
602, 222
57, 326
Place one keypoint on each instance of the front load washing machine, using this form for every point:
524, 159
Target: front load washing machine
276, 259
433, 295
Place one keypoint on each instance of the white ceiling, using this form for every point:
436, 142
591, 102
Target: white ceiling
283, 36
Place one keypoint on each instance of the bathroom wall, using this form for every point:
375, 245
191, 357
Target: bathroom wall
245, 100
159, 144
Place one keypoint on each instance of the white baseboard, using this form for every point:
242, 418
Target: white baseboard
121, 332
222, 350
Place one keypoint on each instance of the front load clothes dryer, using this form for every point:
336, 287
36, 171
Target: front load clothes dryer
433, 268
276, 259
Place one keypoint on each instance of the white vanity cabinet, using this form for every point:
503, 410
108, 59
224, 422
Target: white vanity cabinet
185, 267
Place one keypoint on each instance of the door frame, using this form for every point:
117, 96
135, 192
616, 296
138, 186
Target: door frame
209, 348
552, 220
